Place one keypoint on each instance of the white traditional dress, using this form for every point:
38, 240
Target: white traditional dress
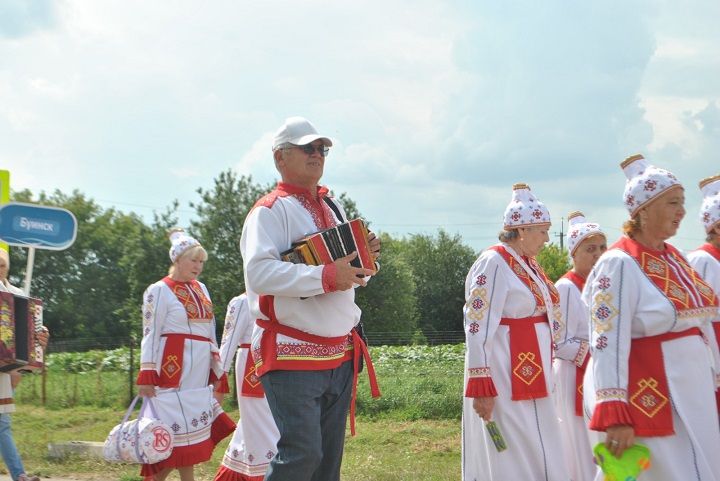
179, 355
568, 381
706, 260
254, 443
507, 298
650, 367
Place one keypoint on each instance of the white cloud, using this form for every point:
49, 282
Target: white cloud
437, 107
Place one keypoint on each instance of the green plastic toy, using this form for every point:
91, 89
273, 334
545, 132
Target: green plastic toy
633, 461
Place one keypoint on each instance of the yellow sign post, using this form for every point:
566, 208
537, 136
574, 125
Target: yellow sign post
4, 196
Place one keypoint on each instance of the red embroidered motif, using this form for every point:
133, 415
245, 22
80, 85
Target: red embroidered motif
520, 271
191, 296
656, 268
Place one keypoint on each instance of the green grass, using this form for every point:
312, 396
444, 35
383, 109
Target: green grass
417, 382
411, 433
383, 450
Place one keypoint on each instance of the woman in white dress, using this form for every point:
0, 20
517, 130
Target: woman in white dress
254, 443
180, 361
650, 378
586, 242
512, 320
706, 258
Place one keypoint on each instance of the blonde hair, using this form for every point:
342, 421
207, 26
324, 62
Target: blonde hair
194, 252
631, 227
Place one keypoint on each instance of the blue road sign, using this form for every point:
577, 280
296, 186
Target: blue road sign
39, 226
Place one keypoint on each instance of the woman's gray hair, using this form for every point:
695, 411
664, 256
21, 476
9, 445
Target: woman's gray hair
507, 235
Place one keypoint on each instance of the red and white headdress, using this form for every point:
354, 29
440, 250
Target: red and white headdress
644, 182
710, 210
525, 209
579, 229
179, 243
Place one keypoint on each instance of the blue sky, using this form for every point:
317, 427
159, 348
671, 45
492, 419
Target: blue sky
437, 107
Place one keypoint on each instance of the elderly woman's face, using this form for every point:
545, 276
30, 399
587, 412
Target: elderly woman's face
662, 217
533, 239
188, 267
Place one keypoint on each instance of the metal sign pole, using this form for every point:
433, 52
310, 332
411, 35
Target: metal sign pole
29, 269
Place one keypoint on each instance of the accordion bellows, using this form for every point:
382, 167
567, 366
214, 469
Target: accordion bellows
328, 245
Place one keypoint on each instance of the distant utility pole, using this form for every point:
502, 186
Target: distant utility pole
561, 234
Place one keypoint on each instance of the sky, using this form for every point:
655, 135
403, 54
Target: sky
436, 107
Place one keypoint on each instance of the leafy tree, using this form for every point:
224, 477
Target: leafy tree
145, 260
388, 301
221, 213
85, 286
554, 261
439, 266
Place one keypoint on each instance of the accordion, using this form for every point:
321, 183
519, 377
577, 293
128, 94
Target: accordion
20, 319
328, 245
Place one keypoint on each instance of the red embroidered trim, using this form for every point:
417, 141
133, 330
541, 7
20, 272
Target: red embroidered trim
657, 270
519, 271
710, 249
329, 278
147, 378
576, 279
610, 413
192, 298
480, 387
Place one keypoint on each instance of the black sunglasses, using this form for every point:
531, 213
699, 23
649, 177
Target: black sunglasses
311, 149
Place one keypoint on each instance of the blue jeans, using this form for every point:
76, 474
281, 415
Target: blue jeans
310, 409
7, 448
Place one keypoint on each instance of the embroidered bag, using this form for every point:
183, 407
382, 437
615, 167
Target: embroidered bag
145, 440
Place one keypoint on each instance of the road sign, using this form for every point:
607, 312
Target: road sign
38, 226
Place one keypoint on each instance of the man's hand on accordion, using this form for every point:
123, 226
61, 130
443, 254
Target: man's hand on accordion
346, 276
374, 244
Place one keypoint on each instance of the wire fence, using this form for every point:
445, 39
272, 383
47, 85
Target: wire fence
388, 338
101, 371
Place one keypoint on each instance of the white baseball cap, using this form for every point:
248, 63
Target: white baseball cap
298, 131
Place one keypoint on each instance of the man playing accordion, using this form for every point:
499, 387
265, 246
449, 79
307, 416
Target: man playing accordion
304, 344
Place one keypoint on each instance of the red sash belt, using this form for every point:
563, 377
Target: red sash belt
359, 349
172, 358
528, 379
251, 386
648, 392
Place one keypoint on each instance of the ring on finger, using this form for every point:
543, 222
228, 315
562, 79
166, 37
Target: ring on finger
614, 442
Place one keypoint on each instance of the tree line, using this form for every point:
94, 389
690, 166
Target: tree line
94, 288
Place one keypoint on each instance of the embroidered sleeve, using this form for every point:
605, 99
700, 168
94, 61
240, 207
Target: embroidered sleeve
570, 343
611, 294
329, 275
485, 294
480, 384
611, 412
237, 318
154, 312
264, 236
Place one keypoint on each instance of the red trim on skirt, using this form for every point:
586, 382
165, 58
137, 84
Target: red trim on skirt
226, 474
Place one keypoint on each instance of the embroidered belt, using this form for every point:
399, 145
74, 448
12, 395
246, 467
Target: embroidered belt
648, 392
527, 379
250, 386
359, 349
172, 358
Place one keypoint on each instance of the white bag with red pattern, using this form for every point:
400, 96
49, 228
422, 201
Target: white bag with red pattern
145, 440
